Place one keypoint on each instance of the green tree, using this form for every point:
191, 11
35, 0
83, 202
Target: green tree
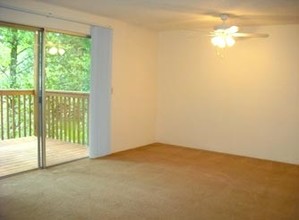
16, 58
68, 71
67, 67
67, 63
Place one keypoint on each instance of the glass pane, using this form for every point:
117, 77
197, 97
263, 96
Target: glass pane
18, 143
67, 97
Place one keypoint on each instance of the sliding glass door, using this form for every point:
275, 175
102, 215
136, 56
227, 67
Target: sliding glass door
44, 98
18, 98
67, 65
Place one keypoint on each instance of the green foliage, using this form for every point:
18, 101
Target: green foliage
67, 68
16, 58
70, 70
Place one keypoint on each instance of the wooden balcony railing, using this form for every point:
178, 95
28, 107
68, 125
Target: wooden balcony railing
66, 115
16, 113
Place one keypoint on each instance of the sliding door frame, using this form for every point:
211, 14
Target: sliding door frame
40, 88
39, 84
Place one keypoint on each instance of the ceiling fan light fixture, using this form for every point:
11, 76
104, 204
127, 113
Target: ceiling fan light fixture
224, 37
61, 51
223, 41
230, 41
53, 50
218, 41
233, 29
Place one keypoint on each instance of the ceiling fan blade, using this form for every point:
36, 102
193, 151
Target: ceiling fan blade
232, 29
250, 35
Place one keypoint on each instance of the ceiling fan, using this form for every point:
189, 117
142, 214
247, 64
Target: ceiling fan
225, 35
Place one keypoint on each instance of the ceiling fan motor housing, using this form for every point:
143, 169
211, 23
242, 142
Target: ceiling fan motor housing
224, 17
223, 26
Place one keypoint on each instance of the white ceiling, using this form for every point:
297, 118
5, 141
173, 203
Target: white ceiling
189, 14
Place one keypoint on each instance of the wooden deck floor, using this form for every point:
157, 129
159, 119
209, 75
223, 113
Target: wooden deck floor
17, 155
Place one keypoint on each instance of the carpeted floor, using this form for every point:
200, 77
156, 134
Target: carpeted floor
155, 182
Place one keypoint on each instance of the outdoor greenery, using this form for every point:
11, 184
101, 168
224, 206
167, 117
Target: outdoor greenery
16, 58
68, 71
67, 67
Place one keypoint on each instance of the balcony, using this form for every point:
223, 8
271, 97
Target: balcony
66, 125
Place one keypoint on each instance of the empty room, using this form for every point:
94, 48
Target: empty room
149, 109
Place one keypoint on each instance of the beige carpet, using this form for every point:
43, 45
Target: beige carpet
155, 182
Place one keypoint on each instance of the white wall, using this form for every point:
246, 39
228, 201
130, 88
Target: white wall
134, 67
134, 87
246, 103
